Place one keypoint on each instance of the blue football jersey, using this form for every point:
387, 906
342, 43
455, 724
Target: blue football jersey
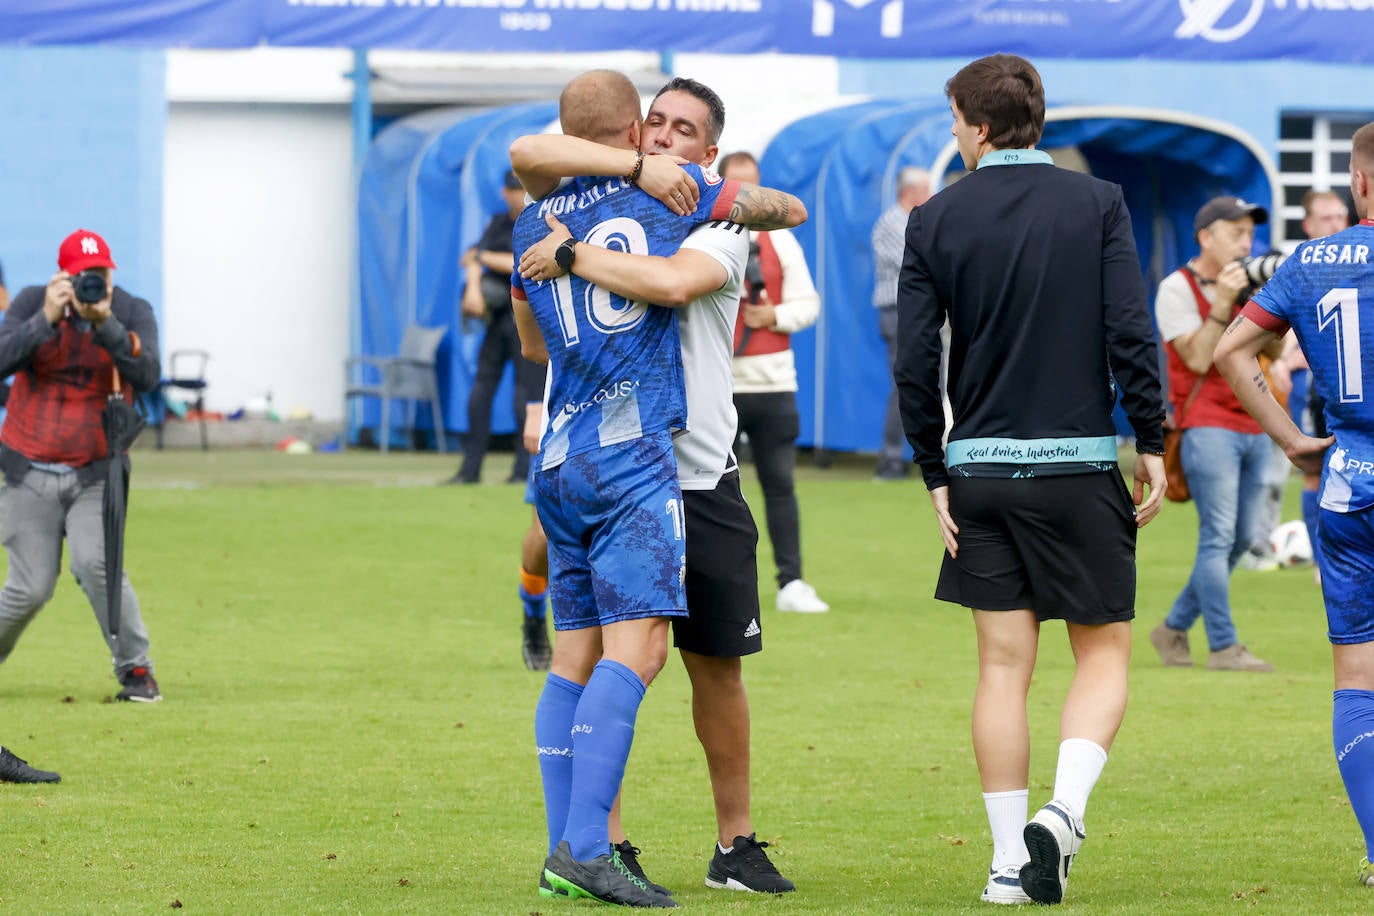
1325, 292
615, 365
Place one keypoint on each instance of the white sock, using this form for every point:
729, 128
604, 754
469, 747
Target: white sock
1080, 763
1007, 814
723, 850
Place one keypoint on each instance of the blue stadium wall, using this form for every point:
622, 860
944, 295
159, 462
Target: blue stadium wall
84, 130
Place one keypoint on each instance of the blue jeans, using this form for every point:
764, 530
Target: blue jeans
1225, 472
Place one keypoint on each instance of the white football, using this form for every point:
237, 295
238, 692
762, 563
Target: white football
1291, 545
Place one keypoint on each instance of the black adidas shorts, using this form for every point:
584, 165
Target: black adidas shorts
1061, 546
722, 574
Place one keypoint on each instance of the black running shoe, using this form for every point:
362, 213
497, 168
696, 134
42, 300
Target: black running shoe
630, 856
535, 648
12, 769
139, 686
604, 878
746, 868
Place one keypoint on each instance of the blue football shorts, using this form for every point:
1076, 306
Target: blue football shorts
529, 479
617, 545
1347, 566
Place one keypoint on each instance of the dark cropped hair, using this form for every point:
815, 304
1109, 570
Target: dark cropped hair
1004, 92
715, 108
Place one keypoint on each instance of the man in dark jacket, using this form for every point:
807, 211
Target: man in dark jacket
67, 345
1036, 269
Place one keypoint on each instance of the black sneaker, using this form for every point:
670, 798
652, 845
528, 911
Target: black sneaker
139, 686
12, 769
630, 856
535, 648
746, 868
604, 878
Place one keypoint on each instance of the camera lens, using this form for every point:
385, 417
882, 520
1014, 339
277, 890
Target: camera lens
89, 287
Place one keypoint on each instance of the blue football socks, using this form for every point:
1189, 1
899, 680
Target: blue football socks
1311, 514
553, 721
1352, 727
602, 732
534, 604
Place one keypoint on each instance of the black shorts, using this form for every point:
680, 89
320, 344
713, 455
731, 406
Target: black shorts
1062, 546
722, 574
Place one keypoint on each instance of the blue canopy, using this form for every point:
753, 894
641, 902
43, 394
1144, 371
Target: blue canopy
429, 185
843, 163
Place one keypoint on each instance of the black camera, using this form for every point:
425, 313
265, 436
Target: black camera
1260, 269
89, 286
753, 274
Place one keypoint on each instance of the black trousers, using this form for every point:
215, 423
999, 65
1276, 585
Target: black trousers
500, 346
772, 423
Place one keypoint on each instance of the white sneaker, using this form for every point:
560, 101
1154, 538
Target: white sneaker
1053, 838
1004, 886
799, 596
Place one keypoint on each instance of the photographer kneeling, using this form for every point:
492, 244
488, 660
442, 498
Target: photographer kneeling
64, 344
1225, 453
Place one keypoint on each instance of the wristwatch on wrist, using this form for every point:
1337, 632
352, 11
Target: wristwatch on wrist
565, 254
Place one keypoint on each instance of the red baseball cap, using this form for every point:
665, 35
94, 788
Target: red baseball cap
82, 250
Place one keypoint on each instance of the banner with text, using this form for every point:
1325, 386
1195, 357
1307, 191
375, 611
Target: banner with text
1316, 30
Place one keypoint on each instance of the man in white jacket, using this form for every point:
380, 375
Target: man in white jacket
780, 300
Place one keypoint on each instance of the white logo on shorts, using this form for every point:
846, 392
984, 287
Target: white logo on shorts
752, 629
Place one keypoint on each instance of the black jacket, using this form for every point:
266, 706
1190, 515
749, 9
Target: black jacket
1037, 271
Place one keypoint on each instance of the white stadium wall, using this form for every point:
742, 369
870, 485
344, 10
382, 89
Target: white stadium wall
257, 232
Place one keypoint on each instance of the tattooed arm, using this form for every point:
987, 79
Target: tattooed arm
1236, 358
765, 208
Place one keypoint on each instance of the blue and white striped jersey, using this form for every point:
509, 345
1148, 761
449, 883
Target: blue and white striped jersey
616, 365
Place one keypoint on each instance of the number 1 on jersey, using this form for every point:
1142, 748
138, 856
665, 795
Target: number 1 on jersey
1341, 308
673, 508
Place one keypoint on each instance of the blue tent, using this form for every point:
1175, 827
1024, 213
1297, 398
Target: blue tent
429, 185
843, 164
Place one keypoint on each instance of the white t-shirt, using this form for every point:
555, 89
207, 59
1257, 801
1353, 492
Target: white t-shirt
1176, 307
706, 451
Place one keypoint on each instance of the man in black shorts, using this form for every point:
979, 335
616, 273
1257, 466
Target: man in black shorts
685, 119
1034, 515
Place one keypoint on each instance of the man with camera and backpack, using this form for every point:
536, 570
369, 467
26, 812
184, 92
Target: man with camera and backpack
1224, 451
70, 347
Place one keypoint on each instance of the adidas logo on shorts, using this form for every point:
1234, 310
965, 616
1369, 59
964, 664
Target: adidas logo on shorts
752, 629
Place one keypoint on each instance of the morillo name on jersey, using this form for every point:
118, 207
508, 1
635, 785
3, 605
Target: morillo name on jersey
1325, 292
615, 364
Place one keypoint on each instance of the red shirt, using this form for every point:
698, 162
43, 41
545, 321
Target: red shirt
764, 340
63, 375
1215, 404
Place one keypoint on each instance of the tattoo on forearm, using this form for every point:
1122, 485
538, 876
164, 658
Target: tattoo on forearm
1260, 383
761, 208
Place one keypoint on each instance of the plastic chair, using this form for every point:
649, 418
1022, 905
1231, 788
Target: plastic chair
411, 376
193, 380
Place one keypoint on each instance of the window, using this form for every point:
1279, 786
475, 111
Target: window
1314, 153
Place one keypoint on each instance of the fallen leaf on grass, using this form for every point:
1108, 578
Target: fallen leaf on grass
330, 855
404, 882
952, 840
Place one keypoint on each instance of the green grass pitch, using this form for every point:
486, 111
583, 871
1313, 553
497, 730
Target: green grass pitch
348, 727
